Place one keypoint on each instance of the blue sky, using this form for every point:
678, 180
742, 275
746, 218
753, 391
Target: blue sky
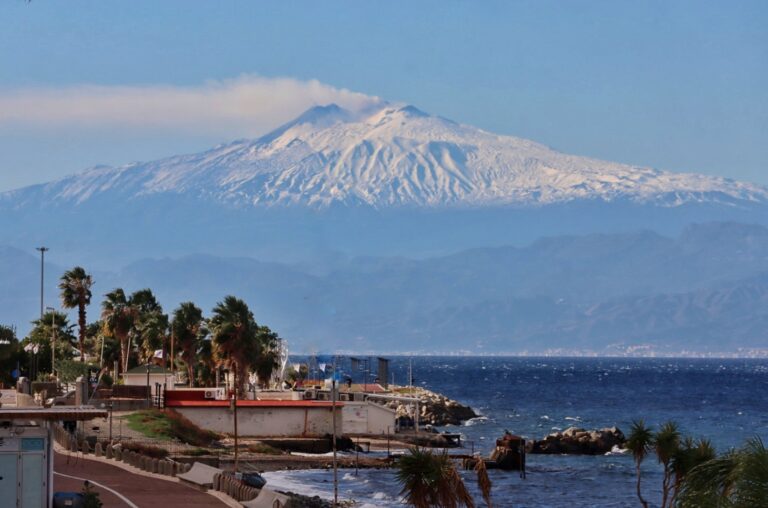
674, 85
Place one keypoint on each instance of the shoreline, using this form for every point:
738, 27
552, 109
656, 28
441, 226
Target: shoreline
752, 354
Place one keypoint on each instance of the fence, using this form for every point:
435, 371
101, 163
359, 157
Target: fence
234, 488
130, 392
77, 442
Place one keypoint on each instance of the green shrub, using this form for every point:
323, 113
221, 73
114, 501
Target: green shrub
91, 498
168, 424
264, 449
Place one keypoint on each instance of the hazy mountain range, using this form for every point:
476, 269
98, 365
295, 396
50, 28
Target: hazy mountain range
389, 229
706, 290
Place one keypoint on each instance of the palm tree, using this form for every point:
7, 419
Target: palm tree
738, 478
429, 479
185, 327
119, 314
207, 370
153, 330
151, 325
666, 444
689, 454
639, 443
483, 482
265, 354
53, 325
75, 287
234, 330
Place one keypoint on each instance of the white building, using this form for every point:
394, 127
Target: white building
137, 376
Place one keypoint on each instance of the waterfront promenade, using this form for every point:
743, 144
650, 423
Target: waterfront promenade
119, 487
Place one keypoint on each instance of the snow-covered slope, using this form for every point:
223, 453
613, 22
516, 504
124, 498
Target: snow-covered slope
388, 156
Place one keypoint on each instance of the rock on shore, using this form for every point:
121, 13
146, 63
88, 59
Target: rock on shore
580, 442
434, 409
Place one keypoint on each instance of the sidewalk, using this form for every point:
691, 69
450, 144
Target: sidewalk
138, 490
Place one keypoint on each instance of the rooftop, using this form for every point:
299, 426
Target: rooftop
53, 413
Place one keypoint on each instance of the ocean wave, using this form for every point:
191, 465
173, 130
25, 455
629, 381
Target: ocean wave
327, 454
617, 450
475, 421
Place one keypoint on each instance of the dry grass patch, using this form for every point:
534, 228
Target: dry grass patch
168, 424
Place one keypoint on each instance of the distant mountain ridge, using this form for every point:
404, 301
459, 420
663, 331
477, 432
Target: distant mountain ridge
383, 157
704, 290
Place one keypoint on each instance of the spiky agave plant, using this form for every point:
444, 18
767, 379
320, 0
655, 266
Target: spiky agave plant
431, 480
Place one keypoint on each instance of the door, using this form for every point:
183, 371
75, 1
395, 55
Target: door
34, 480
8, 478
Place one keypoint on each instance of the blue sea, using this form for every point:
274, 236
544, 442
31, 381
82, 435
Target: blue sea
723, 400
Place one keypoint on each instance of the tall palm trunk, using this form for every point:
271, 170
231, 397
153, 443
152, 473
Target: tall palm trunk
639, 494
124, 348
82, 324
190, 368
238, 382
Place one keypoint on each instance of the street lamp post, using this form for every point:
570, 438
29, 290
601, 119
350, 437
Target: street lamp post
234, 416
42, 250
335, 463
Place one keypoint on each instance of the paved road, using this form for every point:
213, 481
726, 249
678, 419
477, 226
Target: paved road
136, 490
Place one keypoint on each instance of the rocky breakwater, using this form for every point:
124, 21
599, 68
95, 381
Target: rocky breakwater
580, 442
434, 408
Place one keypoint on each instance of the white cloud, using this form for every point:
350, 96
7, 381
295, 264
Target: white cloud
248, 105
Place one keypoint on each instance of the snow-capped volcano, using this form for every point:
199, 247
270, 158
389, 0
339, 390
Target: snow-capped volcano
386, 156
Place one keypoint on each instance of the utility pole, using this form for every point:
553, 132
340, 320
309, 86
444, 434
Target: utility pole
234, 407
335, 464
42, 250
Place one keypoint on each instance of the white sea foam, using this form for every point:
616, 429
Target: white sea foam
329, 454
617, 450
475, 421
297, 482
